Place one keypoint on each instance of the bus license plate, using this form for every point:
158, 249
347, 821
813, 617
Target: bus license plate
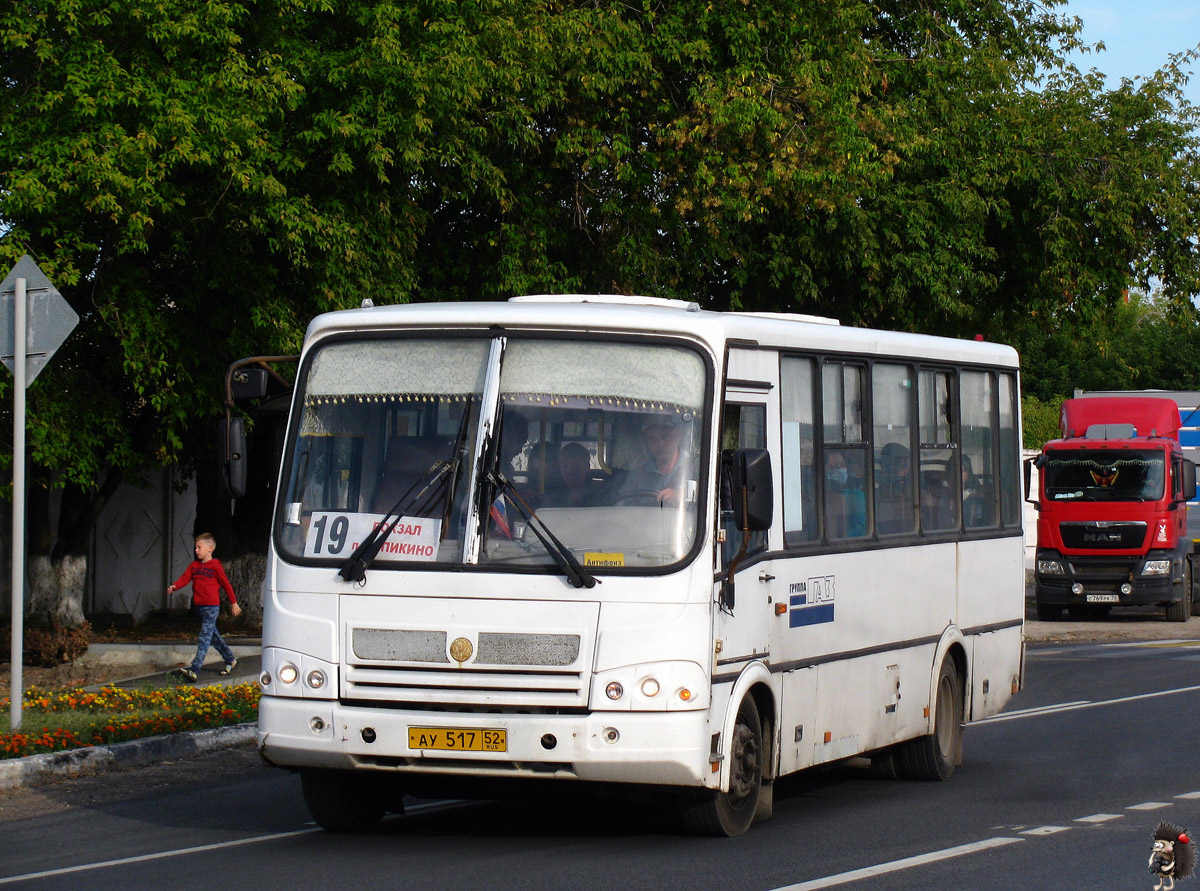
1103, 598
458, 739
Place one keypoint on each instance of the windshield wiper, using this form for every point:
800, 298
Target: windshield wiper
575, 571
355, 567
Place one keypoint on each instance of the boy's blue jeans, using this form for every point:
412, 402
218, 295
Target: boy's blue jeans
209, 635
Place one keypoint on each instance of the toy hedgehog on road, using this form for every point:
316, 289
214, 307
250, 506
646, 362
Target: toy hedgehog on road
1173, 856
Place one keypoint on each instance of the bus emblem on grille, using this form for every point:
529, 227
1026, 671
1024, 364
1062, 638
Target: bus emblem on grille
460, 650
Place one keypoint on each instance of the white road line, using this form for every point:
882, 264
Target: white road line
1189, 795
143, 858
1148, 806
1099, 818
897, 865
1046, 830
83, 867
1073, 706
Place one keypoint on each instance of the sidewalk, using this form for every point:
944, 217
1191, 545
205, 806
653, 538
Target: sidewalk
51, 766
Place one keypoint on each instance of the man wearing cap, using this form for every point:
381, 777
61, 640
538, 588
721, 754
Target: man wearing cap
665, 473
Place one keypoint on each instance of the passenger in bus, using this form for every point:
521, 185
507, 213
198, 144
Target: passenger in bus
846, 503
577, 486
663, 477
408, 466
893, 490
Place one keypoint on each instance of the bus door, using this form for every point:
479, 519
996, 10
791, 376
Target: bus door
742, 626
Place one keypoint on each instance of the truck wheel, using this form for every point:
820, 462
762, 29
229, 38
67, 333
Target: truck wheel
1190, 584
343, 800
1048, 612
731, 813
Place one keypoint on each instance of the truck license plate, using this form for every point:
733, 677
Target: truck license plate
458, 739
1103, 598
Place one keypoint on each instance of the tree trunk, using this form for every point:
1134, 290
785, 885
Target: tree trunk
56, 571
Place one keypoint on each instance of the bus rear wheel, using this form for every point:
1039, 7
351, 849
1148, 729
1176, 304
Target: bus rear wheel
344, 800
934, 757
731, 813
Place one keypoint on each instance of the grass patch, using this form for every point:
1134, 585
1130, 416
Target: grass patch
52, 721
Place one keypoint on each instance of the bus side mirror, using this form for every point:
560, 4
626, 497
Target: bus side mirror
247, 383
231, 452
753, 498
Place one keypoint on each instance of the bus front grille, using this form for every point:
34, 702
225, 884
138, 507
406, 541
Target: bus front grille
467, 687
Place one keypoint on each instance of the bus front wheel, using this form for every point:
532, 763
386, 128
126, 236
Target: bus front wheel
731, 813
343, 800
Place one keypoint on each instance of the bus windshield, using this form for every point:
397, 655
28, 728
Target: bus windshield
1104, 474
497, 452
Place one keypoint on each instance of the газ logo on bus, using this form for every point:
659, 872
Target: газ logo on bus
811, 602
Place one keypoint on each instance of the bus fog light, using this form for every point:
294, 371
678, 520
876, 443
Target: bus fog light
368, 734
1077, 588
611, 735
316, 679
288, 673
316, 725
549, 741
1126, 588
614, 690
650, 687
1156, 567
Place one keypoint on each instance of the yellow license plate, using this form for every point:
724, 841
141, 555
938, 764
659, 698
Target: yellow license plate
458, 739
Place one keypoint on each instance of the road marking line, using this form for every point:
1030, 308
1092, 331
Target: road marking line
142, 858
1148, 806
1072, 706
1189, 795
897, 865
216, 846
1046, 830
1099, 818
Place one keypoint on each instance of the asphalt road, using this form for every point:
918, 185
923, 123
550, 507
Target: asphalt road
1062, 791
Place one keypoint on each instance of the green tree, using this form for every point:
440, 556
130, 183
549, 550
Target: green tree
199, 177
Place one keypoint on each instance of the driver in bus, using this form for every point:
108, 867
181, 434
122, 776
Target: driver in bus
666, 472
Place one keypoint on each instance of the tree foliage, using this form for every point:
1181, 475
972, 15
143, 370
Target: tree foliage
199, 177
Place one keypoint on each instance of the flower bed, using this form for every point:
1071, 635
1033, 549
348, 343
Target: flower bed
71, 719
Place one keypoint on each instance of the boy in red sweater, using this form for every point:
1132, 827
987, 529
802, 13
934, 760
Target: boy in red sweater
207, 577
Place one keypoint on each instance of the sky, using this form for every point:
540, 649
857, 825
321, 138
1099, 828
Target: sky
1138, 36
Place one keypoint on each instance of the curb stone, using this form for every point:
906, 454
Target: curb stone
34, 770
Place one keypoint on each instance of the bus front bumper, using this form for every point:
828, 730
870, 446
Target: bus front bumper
659, 748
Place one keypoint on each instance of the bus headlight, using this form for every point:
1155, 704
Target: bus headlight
1049, 567
316, 679
651, 687
288, 673
1156, 567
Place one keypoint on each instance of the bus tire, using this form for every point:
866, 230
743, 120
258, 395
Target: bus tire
934, 757
730, 813
343, 800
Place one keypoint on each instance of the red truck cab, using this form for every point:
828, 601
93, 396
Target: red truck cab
1112, 518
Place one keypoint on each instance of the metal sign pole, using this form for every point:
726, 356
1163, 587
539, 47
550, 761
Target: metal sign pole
16, 688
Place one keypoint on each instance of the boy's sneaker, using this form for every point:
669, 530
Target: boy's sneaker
229, 667
186, 674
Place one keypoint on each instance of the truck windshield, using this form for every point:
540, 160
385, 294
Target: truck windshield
1104, 474
596, 442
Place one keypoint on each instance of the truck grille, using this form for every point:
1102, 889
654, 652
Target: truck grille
1101, 536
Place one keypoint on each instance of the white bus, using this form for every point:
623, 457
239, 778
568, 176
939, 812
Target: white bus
621, 540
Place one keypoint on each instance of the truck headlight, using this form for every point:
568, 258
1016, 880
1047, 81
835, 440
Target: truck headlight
1156, 567
1050, 567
